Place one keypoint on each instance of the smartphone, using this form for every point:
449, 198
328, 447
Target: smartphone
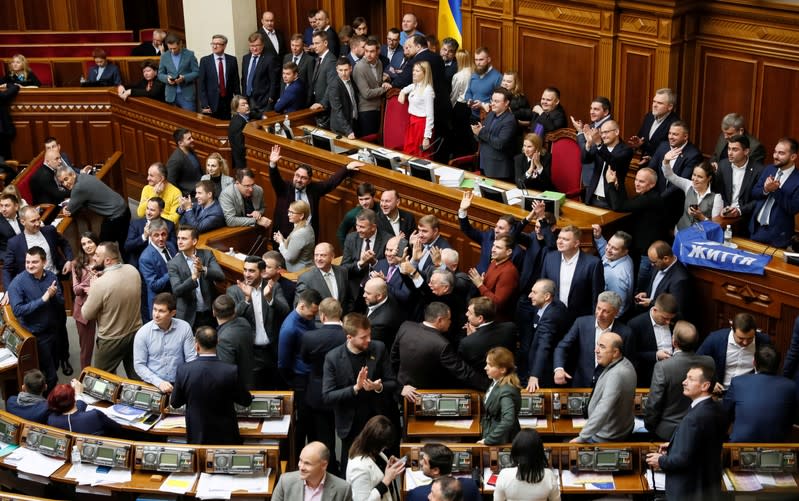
693, 207
403, 459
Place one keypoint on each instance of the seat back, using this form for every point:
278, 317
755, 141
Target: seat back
44, 71
394, 124
23, 179
566, 162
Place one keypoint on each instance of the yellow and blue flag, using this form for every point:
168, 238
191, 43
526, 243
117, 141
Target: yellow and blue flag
450, 21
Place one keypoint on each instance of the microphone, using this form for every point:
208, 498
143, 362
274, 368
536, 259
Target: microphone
439, 140
256, 246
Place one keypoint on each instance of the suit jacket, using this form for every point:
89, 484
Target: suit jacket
386, 319
269, 47
648, 223
316, 344
154, 273
290, 487
497, 145
293, 97
183, 287
209, 81
17, 247
232, 204
618, 160
339, 378
322, 79
542, 182
610, 410
396, 59
786, 204
757, 153
407, 223
44, 189
722, 183
370, 91
157, 90
550, 328
587, 282
666, 405
473, 348
7, 232
422, 357
398, 289
109, 77
683, 165
790, 368
134, 245
271, 315
578, 345
341, 106
352, 252
182, 172
486, 240
677, 282
236, 337
313, 279
265, 83
715, 346
209, 388
549, 120
500, 410
187, 67
305, 70
145, 49
205, 219
650, 144
693, 464
646, 347
749, 396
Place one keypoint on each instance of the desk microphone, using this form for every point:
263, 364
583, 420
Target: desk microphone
256, 246
439, 140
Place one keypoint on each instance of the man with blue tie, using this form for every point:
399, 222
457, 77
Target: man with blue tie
777, 196
205, 213
388, 268
259, 75
153, 265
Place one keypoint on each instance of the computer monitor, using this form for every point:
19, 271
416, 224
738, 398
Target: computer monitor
382, 160
321, 141
491, 193
422, 170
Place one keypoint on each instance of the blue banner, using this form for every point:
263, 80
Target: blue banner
701, 245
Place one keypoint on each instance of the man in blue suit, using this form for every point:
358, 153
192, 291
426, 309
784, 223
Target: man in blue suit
550, 321
216, 91
580, 342
293, 91
392, 54
178, 71
153, 266
587, 274
139, 231
761, 406
733, 350
692, 460
777, 196
389, 269
496, 138
59, 257
791, 367
259, 73
205, 213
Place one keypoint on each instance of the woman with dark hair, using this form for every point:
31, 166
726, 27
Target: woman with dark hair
240, 116
70, 414
359, 26
148, 86
701, 203
83, 273
103, 73
529, 479
369, 472
503, 398
533, 166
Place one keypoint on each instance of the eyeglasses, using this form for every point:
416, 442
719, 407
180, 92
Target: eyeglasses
291, 213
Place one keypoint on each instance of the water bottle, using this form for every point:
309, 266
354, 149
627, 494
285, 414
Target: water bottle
231, 252
556, 406
728, 236
279, 130
75, 455
287, 123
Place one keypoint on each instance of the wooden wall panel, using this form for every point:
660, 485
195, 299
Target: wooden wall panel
103, 144
489, 32
11, 15
37, 15
777, 103
426, 14
84, 14
635, 76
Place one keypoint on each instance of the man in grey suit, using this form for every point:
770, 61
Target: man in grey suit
372, 87
610, 411
243, 202
326, 278
234, 339
312, 473
323, 77
194, 270
667, 405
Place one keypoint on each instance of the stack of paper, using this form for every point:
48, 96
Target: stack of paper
178, 483
587, 480
744, 481
171, 423
276, 426
462, 424
91, 474
656, 480
7, 359
33, 462
216, 486
515, 196
449, 176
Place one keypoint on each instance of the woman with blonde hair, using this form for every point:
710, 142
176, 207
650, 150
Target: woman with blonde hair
533, 166
420, 98
297, 248
519, 105
216, 171
460, 80
19, 72
502, 400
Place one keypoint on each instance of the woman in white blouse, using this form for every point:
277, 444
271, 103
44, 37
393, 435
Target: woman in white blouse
420, 97
297, 247
369, 472
530, 479
460, 80
701, 203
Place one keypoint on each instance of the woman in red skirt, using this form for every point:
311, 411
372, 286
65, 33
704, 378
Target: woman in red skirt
420, 108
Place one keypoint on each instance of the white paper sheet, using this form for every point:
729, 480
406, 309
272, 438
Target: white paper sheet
36, 463
528, 422
415, 478
179, 483
214, 486
254, 484
461, 424
659, 478
276, 426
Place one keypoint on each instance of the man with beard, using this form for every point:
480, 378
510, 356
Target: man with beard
183, 167
485, 79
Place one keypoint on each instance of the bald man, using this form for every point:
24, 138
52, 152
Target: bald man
312, 477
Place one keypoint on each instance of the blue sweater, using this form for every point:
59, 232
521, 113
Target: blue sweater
91, 422
36, 315
289, 358
33, 409
482, 86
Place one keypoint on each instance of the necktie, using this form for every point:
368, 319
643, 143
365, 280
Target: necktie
296, 59
330, 285
765, 213
316, 68
221, 71
300, 195
367, 243
391, 270
165, 252
351, 92
100, 72
251, 74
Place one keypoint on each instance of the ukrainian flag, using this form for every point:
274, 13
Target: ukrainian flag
450, 22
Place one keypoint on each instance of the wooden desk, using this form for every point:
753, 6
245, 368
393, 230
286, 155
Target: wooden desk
425, 426
733, 459
26, 352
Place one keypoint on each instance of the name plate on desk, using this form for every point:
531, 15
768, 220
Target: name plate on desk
165, 459
444, 405
99, 387
532, 406
233, 461
262, 407
103, 452
48, 442
598, 459
138, 397
763, 460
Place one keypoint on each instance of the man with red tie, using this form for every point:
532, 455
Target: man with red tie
219, 79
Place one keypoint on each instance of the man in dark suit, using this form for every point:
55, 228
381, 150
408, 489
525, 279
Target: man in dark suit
666, 405
10, 223
153, 266
388, 268
391, 53
497, 137
151, 48
305, 61
550, 322
357, 397
652, 346
315, 346
205, 213
59, 252
363, 248
219, 79
735, 176
293, 90
791, 367
691, 459
423, 358
761, 406
733, 350
391, 219
670, 276
439, 287
606, 151
209, 388
383, 311
274, 41
343, 97
45, 189
587, 279
236, 337
428, 235
324, 74
483, 333
139, 230
655, 127
777, 197
194, 270
183, 167
733, 125
688, 156
301, 188
260, 80
323, 25
579, 343
326, 278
